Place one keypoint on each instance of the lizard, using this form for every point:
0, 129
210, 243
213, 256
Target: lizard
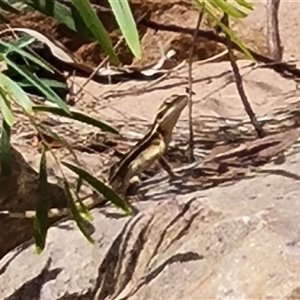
151, 147
148, 150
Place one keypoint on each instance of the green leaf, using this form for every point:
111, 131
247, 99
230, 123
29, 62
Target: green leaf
12, 48
48, 132
75, 213
40, 224
5, 109
75, 116
51, 83
82, 208
123, 15
211, 11
63, 14
3, 65
34, 80
229, 32
3, 19
5, 158
228, 9
16, 91
100, 187
6, 6
96, 27
22, 42
245, 4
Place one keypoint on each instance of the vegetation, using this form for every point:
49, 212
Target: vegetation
79, 16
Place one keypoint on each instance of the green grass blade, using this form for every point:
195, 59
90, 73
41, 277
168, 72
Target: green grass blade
22, 42
123, 15
3, 19
245, 4
75, 213
211, 11
5, 158
63, 14
228, 9
83, 208
234, 39
49, 82
16, 92
76, 116
34, 80
96, 27
40, 224
12, 48
5, 107
100, 187
45, 130
6, 6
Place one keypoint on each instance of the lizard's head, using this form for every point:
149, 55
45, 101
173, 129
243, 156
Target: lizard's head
170, 110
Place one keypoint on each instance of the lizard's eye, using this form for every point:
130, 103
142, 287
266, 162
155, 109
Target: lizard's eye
170, 101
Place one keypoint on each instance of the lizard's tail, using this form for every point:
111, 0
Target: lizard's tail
30, 214
52, 213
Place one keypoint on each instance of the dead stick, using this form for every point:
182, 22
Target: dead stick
274, 42
191, 140
281, 68
239, 83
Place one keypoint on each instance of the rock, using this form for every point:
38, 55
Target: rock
18, 192
239, 241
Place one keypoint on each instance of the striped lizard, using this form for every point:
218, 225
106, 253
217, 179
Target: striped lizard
139, 158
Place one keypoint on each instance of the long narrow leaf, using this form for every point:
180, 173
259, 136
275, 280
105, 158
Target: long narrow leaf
94, 24
228, 9
63, 14
245, 4
127, 25
211, 11
5, 158
76, 116
16, 92
22, 42
229, 32
51, 83
34, 80
12, 48
99, 186
40, 224
45, 131
75, 213
5, 109
3, 19
82, 208
6, 6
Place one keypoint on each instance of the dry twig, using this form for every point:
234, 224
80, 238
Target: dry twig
239, 83
274, 42
281, 68
191, 140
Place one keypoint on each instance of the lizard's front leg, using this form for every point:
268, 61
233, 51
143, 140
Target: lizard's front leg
166, 166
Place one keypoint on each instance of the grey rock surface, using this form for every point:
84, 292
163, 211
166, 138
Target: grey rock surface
237, 242
232, 242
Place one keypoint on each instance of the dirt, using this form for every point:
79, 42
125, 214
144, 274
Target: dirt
181, 13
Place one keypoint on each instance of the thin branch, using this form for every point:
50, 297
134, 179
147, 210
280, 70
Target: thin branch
239, 83
273, 36
191, 140
284, 69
